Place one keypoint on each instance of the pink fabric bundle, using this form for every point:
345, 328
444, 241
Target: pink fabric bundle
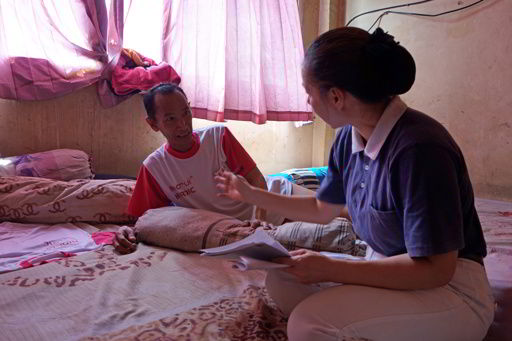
134, 73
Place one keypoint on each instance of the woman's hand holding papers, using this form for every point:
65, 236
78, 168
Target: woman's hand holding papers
308, 266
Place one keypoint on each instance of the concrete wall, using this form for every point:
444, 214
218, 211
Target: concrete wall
317, 17
464, 79
118, 139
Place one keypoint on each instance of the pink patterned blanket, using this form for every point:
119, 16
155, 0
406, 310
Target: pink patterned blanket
150, 293
161, 294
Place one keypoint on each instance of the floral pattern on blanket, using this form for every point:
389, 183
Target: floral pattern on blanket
40, 200
250, 316
107, 262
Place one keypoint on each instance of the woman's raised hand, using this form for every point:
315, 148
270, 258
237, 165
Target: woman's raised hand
231, 186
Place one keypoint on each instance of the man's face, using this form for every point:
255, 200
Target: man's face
173, 119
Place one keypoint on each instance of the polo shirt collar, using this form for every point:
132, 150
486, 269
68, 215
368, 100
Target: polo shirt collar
189, 153
387, 121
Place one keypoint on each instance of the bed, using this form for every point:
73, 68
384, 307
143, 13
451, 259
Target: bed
99, 294
496, 219
155, 293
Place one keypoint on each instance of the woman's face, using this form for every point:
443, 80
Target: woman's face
322, 105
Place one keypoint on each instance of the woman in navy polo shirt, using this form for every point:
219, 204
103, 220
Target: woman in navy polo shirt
406, 186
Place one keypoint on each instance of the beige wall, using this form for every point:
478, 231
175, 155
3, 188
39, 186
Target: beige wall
464, 79
118, 138
275, 146
318, 16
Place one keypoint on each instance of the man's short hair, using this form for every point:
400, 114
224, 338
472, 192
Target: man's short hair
162, 88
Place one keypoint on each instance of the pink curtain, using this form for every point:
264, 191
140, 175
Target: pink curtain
238, 59
113, 46
50, 48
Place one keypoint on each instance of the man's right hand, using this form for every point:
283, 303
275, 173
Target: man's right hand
125, 241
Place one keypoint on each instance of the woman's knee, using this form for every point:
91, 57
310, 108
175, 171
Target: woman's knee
299, 326
285, 290
305, 324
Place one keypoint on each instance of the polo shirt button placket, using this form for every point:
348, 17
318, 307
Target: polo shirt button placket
366, 167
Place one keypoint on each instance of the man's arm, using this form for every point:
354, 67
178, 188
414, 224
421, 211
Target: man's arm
256, 179
241, 163
146, 195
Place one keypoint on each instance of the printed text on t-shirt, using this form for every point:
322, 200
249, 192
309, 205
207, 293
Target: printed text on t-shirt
183, 189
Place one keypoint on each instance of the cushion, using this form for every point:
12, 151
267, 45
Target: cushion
58, 164
306, 177
189, 229
40, 200
336, 236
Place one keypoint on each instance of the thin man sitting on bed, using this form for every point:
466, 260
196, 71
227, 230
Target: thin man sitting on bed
181, 171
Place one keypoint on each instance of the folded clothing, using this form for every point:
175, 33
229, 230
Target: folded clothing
310, 178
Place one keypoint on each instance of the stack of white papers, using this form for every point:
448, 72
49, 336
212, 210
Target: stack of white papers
253, 252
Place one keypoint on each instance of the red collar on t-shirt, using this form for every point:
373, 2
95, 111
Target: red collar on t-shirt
189, 153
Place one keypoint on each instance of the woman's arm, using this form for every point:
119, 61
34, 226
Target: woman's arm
302, 208
397, 272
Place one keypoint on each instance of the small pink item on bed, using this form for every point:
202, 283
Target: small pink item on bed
28, 263
105, 238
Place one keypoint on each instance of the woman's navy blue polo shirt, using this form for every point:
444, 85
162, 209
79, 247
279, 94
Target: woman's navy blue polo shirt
408, 190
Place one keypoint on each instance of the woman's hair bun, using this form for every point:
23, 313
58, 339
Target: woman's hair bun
372, 67
381, 37
389, 63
